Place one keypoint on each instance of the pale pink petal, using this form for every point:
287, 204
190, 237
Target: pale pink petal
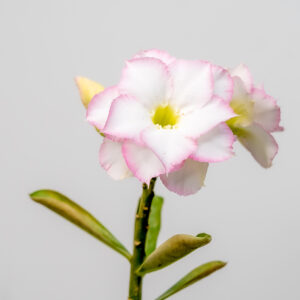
201, 120
266, 112
260, 143
127, 118
244, 74
239, 89
169, 145
215, 145
223, 83
192, 83
165, 57
112, 160
98, 108
147, 79
187, 180
142, 162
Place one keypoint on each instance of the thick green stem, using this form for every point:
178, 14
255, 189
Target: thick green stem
140, 231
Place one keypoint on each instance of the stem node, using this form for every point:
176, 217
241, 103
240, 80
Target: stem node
140, 230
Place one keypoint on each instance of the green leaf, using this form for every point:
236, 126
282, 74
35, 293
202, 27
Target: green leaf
154, 224
78, 216
192, 277
171, 250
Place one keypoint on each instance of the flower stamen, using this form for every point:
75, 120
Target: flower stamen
165, 116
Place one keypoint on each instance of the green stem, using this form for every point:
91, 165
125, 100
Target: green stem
140, 231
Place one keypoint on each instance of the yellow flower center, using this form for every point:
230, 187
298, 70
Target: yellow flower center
244, 110
165, 116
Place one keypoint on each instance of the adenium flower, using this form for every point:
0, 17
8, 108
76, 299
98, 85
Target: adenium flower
166, 118
258, 116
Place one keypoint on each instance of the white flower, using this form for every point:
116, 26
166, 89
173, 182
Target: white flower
258, 116
165, 118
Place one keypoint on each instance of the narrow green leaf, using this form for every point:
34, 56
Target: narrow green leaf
78, 216
192, 277
154, 224
171, 250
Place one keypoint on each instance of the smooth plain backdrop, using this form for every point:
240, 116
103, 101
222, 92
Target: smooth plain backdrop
253, 214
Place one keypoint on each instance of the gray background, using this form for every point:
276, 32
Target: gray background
252, 213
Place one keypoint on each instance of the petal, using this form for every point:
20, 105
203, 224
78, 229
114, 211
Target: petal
127, 118
192, 83
87, 89
239, 89
142, 162
165, 57
98, 108
146, 79
112, 160
244, 74
170, 146
266, 112
187, 180
215, 145
223, 83
260, 143
201, 120
242, 105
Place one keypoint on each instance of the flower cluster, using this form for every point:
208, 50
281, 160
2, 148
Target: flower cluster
170, 118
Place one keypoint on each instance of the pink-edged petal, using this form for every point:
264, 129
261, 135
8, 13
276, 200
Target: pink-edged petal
215, 145
147, 79
223, 83
127, 118
192, 83
170, 146
266, 112
112, 160
201, 120
165, 57
188, 179
260, 143
244, 74
98, 108
142, 162
239, 89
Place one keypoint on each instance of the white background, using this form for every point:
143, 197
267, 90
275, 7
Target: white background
253, 214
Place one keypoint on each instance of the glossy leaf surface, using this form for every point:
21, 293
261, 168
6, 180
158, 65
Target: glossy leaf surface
154, 224
78, 216
172, 250
192, 277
